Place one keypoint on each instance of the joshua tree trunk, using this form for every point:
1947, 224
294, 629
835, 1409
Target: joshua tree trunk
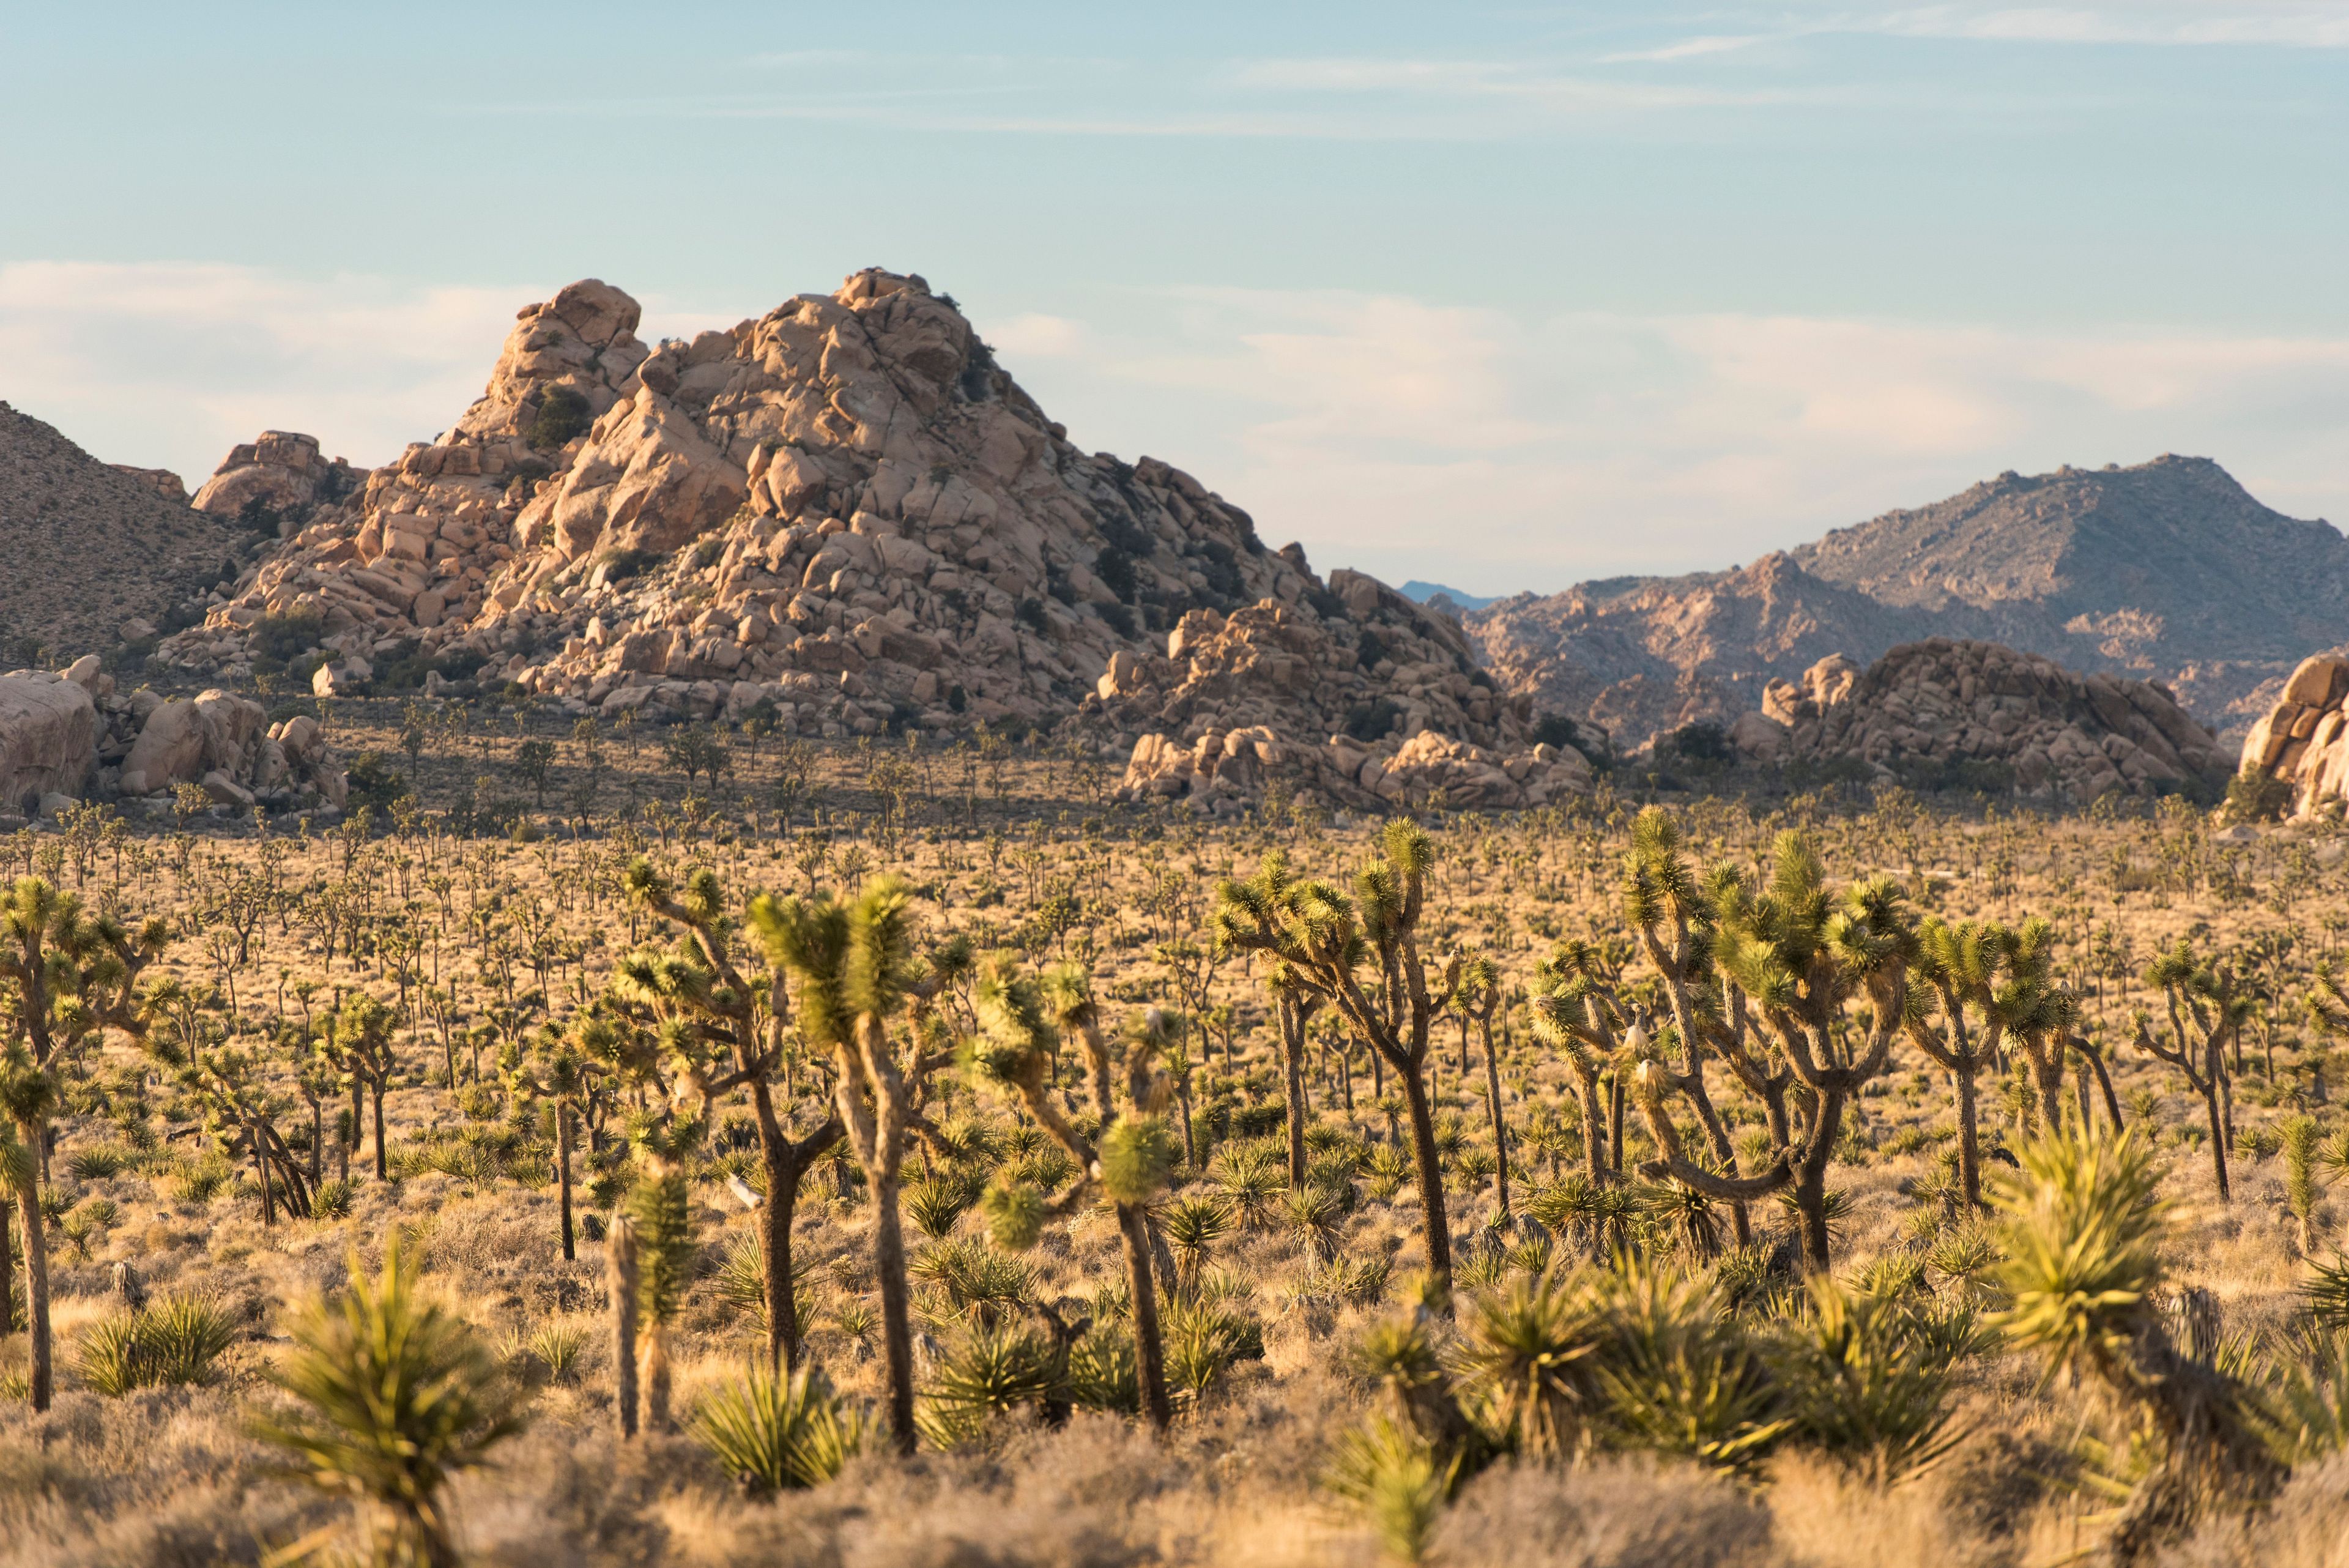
1430, 1178
1292, 1081
1500, 1131
1969, 1139
7, 1275
786, 1164
382, 1163
36, 1283
1811, 1182
896, 1326
1149, 1356
563, 1174
2217, 1130
620, 1274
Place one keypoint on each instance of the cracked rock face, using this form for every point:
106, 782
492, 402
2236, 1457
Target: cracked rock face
1945, 701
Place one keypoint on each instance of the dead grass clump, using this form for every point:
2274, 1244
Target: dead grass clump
1618, 1513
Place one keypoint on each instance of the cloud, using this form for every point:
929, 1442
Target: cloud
2301, 25
170, 363
1494, 448
1504, 449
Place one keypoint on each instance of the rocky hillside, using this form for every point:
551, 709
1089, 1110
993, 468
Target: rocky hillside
88, 548
1947, 711
843, 508
2168, 570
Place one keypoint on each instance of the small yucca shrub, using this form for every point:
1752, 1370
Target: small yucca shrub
96, 1163
774, 1434
1400, 1480
1862, 1386
167, 1343
332, 1200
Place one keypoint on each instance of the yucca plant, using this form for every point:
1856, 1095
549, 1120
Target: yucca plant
2084, 1223
1317, 1215
776, 1433
393, 1396
174, 1341
1191, 1227
935, 1203
2303, 1406
1862, 1389
660, 1209
2302, 1185
994, 1369
557, 1347
96, 1163
1101, 1374
2325, 1292
1526, 1352
1399, 1479
332, 1200
1675, 1370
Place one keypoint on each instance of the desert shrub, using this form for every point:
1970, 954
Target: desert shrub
1115, 568
776, 1433
96, 1163
332, 1200
562, 413
374, 780
281, 638
1371, 721
167, 1343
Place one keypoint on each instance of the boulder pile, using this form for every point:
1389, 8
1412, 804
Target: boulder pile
1943, 703
1353, 693
846, 515
68, 733
2303, 740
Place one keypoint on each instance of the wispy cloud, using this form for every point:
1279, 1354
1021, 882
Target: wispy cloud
170, 363
2299, 25
1516, 450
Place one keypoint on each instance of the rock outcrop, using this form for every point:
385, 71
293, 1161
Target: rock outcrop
843, 512
1929, 709
279, 480
162, 481
1375, 701
227, 744
2303, 740
49, 739
2167, 570
86, 547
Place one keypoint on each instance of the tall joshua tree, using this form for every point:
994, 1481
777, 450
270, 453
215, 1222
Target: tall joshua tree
728, 1033
1974, 983
856, 972
1020, 1020
2196, 997
1362, 954
359, 1043
1828, 977
1576, 1010
66, 976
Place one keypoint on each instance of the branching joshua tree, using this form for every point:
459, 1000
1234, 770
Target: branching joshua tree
1973, 984
1576, 1012
1478, 997
2195, 996
1828, 977
726, 1032
67, 976
1294, 1004
856, 971
358, 1041
1362, 954
1021, 1020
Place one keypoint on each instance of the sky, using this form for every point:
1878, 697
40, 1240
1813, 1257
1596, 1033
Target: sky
1503, 297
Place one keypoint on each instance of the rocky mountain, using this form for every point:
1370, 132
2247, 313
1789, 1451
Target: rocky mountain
88, 548
2166, 571
844, 509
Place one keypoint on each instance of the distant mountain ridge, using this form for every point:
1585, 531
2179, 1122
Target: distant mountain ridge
2168, 570
1425, 593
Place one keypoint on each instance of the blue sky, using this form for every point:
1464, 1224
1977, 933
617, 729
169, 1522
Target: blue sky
1506, 296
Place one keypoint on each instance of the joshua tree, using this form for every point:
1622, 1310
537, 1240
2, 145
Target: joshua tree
1327, 940
1478, 997
1020, 1020
1974, 981
66, 976
395, 1397
2196, 997
725, 1034
1829, 978
359, 1043
856, 971
1294, 1002
1576, 1010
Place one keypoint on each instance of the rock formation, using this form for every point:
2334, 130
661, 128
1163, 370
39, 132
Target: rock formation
86, 547
1929, 709
2303, 740
69, 734
845, 512
1368, 698
278, 480
2167, 570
